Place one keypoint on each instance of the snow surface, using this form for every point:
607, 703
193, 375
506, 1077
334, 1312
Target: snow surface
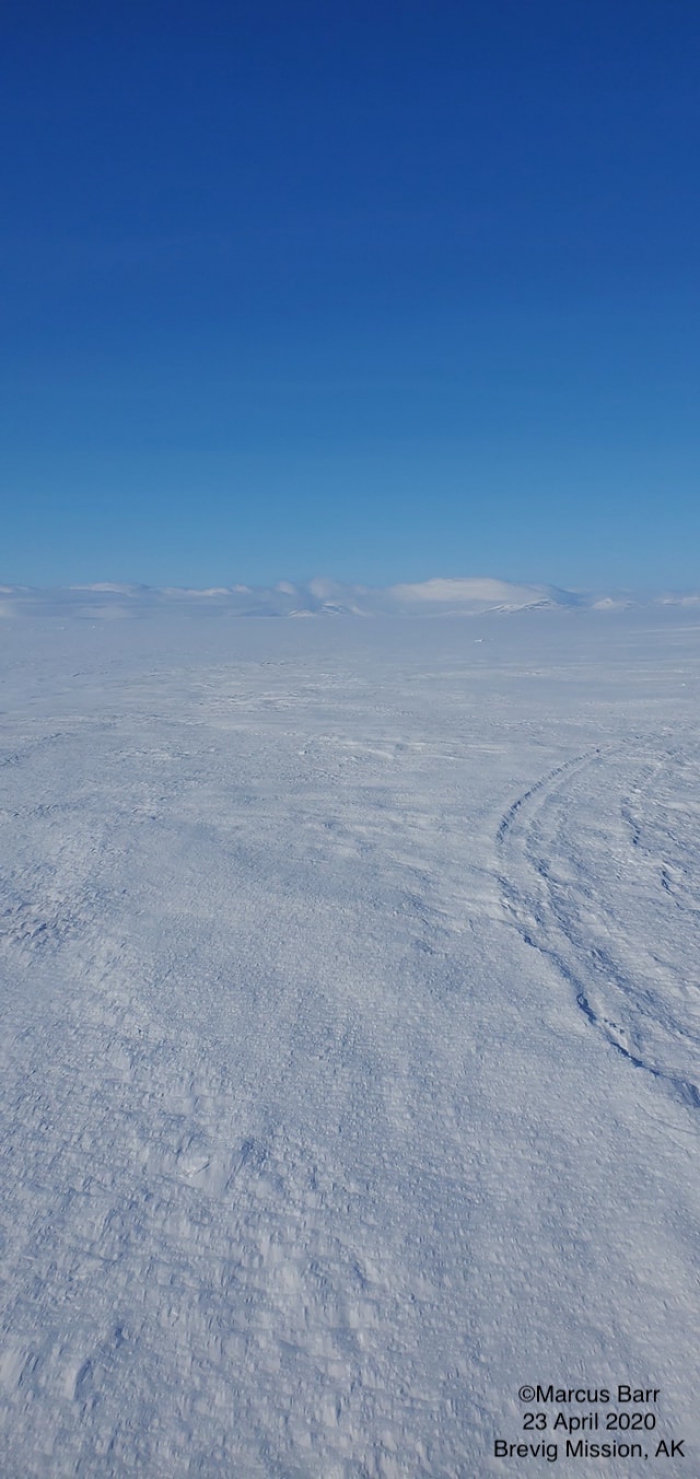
350, 1052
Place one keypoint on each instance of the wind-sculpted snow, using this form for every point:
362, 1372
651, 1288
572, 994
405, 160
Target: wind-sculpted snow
350, 1061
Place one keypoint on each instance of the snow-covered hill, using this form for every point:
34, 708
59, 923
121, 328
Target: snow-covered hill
318, 597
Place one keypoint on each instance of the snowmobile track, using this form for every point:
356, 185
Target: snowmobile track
545, 906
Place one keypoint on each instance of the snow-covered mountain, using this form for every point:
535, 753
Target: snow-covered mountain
317, 597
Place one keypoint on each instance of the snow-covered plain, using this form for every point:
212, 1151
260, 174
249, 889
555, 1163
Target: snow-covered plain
351, 1040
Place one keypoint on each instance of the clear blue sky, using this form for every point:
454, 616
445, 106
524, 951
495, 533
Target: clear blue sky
381, 289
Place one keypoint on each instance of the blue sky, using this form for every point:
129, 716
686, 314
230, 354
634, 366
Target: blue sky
381, 290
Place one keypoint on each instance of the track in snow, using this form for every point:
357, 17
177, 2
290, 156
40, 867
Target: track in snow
598, 872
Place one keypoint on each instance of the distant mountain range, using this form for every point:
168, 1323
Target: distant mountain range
318, 597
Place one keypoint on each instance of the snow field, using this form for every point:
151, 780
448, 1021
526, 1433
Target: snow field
350, 1039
